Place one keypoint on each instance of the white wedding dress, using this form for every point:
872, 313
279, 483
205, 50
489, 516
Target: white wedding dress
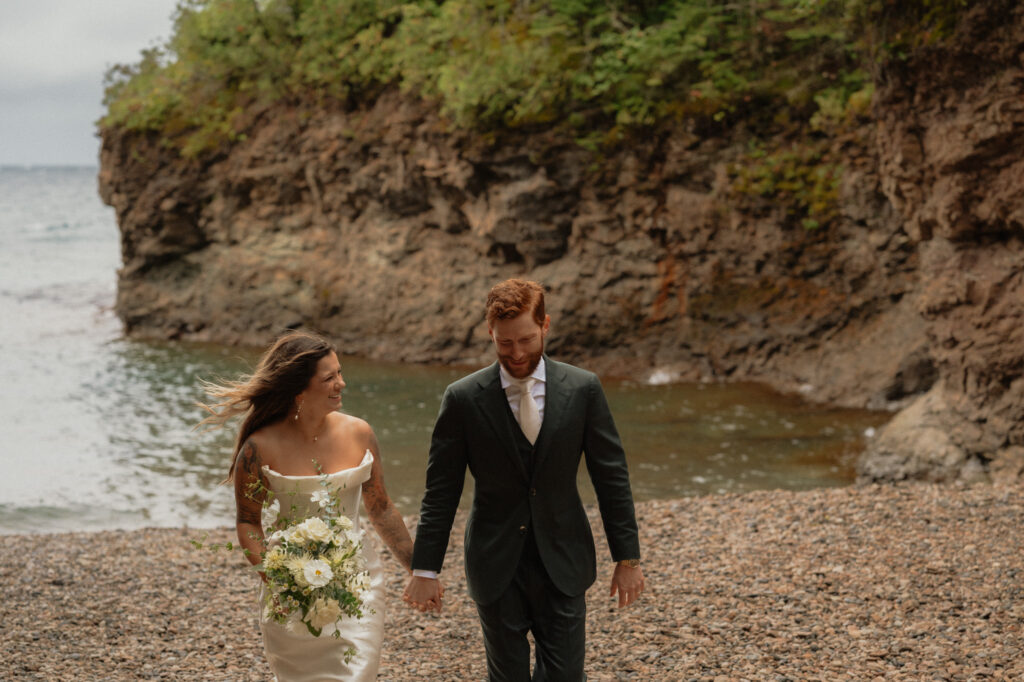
293, 653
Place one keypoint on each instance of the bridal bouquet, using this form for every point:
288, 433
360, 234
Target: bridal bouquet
315, 569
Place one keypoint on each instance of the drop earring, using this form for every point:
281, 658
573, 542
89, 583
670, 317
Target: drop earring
298, 408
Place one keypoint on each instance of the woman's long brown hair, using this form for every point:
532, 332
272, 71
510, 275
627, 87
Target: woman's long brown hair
268, 395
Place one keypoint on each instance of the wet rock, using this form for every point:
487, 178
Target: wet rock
915, 444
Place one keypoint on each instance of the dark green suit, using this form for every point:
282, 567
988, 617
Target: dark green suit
512, 503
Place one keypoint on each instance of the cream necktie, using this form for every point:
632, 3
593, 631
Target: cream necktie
529, 415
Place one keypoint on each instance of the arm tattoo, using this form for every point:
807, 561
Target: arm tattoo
383, 514
250, 516
249, 489
249, 463
374, 495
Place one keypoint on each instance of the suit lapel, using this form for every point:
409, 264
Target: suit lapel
494, 405
556, 397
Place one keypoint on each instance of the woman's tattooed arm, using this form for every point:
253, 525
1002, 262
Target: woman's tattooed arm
383, 513
250, 492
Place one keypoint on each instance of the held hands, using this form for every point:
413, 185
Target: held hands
628, 582
424, 594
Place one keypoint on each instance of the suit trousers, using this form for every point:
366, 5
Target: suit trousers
533, 604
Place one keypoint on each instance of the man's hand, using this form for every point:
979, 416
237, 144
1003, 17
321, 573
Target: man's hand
424, 594
628, 582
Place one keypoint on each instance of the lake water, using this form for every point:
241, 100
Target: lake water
97, 431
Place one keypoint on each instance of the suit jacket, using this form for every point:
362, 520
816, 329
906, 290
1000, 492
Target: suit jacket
474, 430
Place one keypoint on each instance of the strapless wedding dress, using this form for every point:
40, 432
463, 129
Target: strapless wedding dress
293, 653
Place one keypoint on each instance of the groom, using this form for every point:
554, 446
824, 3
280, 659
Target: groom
520, 427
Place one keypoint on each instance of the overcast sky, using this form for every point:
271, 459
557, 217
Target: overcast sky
53, 54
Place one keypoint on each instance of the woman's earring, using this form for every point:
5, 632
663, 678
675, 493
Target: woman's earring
298, 408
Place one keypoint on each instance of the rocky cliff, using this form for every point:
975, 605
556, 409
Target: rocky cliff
950, 132
384, 227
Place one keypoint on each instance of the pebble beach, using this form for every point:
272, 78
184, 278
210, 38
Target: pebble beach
881, 582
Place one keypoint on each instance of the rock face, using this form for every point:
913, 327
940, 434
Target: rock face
386, 231
951, 135
383, 228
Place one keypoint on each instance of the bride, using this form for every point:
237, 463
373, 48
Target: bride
292, 439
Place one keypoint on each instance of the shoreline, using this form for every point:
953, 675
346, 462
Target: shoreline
905, 581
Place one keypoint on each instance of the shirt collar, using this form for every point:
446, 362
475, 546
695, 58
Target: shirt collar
540, 374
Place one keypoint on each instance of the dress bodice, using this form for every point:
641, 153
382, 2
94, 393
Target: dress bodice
293, 493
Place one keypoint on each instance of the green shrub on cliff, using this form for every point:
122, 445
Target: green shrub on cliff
598, 66
800, 180
891, 29
227, 59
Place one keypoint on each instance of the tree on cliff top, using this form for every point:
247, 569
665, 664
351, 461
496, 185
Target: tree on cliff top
596, 68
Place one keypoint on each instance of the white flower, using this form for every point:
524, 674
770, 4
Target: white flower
296, 565
312, 529
323, 612
270, 513
317, 530
321, 497
343, 522
317, 573
274, 559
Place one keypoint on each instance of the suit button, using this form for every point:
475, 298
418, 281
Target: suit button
522, 530
533, 492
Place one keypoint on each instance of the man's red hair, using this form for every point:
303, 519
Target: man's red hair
512, 298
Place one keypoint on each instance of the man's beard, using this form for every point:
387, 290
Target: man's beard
532, 361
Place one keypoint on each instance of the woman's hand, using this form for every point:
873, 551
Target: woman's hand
425, 594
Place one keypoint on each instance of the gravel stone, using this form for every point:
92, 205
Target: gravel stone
881, 582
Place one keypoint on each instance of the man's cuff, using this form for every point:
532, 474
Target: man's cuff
420, 573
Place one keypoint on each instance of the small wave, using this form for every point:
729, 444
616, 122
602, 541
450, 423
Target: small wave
51, 519
660, 377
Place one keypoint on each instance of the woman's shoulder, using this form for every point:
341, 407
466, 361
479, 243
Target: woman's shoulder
265, 435
349, 424
265, 442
